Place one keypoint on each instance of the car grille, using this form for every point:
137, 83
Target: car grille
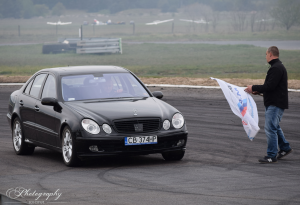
137, 125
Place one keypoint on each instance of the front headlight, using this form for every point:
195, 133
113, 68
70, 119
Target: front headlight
178, 120
90, 126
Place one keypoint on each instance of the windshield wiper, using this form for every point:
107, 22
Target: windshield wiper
116, 99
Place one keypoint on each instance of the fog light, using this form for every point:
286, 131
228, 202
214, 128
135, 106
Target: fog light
106, 128
180, 143
166, 124
94, 148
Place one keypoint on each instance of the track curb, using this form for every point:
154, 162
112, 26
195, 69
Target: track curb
197, 86
168, 85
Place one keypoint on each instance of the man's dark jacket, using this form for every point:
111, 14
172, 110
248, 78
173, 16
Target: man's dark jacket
275, 88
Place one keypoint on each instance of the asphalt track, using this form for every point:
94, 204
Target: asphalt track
220, 165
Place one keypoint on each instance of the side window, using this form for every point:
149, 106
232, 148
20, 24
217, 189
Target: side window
49, 90
37, 84
28, 88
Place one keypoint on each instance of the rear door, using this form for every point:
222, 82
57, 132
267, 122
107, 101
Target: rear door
46, 116
27, 102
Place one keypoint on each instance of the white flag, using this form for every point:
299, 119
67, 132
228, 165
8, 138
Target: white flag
242, 105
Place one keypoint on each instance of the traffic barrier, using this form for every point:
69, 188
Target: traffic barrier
100, 46
94, 45
86, 45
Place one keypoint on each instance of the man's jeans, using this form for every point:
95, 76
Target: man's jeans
275, 136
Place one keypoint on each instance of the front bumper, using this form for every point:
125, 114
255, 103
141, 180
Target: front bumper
116, 145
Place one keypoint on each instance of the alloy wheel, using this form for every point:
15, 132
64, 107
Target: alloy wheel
67, 146
17, 136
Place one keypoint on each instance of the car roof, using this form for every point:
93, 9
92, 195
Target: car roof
71, 70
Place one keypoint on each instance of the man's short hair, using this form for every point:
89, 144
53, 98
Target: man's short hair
274, 50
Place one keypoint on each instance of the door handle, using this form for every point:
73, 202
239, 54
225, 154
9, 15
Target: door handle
36, 108
21, 102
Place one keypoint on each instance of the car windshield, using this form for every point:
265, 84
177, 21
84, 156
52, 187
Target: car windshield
101, 86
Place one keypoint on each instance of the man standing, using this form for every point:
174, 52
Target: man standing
275, 93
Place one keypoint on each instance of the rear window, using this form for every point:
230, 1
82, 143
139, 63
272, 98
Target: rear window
28, 87
37, 84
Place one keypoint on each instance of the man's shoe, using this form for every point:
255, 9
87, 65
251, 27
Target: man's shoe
282, 154
267, 159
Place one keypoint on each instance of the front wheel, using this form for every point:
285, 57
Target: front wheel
173, 156
20, 147
69, 148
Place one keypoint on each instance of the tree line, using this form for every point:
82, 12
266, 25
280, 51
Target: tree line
283, 12
30, 8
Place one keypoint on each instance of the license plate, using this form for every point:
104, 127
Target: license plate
140, 140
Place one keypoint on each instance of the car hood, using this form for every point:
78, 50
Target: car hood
107, 111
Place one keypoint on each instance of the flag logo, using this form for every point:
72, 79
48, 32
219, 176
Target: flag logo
243, 106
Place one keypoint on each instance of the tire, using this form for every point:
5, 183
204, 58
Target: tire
68, 148
18, 139
173, 156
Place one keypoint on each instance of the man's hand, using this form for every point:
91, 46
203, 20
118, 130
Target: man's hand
120, 90
249, 89
255, 93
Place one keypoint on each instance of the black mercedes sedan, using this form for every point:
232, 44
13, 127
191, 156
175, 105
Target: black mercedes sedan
92, 111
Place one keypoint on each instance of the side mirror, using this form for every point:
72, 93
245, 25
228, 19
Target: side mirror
52, 102
158, 94
49, 101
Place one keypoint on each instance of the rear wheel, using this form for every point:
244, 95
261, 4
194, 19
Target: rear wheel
18, 139
69, 148
173, 156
